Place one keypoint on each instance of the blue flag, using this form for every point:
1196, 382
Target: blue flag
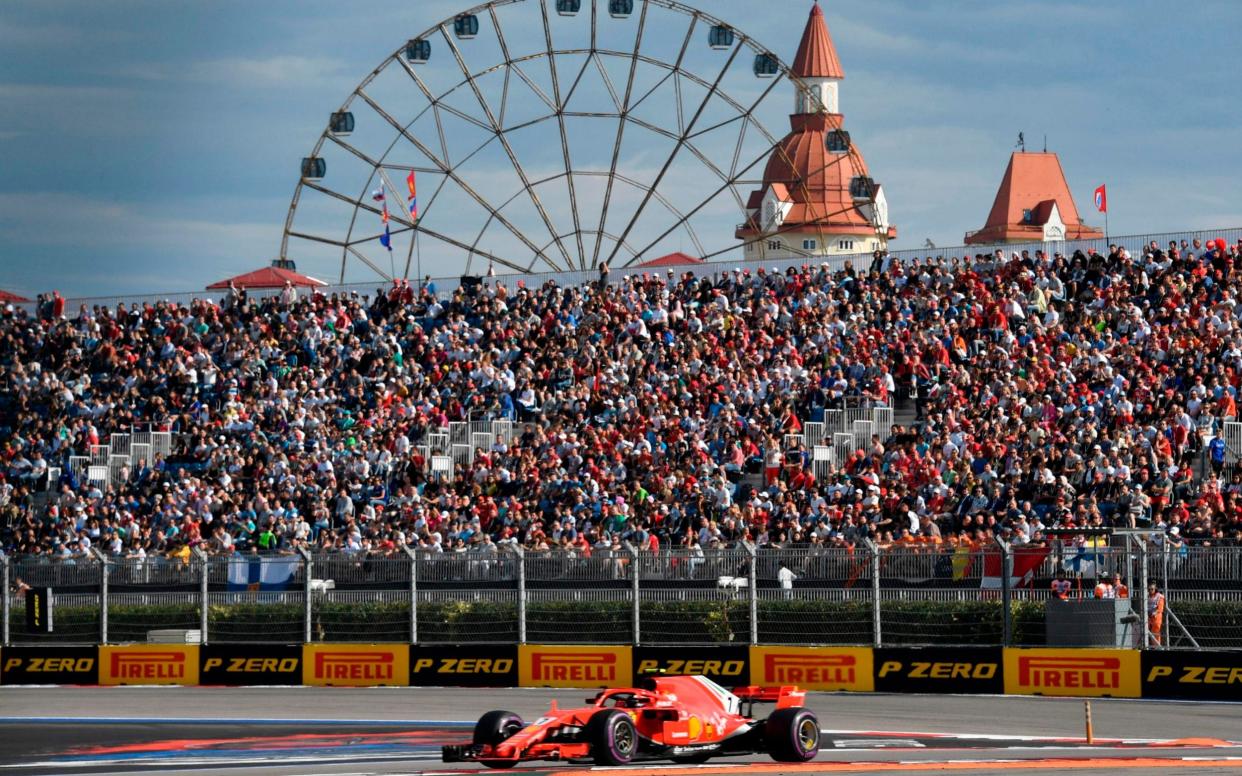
386, 238
255, 573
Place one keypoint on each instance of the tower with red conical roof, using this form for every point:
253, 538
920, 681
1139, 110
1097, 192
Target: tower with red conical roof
817, 197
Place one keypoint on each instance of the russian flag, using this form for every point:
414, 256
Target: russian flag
254, 573
409, 181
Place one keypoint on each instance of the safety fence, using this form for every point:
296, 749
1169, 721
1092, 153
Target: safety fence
868, 595
1116, 673
860, 261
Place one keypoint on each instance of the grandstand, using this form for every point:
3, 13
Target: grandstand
659, 422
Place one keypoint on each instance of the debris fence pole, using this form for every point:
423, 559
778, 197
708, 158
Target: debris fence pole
877, 629
7, 584
103, 594
752, 590
413, 556
1006, 590
203, 597
1144, 630
635, 595
521, 569
308, 572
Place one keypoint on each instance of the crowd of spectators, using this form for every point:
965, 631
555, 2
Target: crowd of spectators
1050, 391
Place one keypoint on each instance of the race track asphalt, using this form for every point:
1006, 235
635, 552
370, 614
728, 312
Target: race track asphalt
285, 731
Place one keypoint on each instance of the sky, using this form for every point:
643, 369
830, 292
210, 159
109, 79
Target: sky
149, 146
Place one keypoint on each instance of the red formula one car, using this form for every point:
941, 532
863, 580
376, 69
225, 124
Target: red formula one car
686, 719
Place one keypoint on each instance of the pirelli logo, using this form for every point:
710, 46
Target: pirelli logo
148, 664
813, 668
1072, 672
356, 666
376, 666
574, 666
808, 669
578, 667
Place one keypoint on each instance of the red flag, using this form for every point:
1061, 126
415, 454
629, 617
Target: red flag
1101, 199
409, 181
1026, 562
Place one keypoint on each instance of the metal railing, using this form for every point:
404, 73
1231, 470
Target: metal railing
860, 261
908, 595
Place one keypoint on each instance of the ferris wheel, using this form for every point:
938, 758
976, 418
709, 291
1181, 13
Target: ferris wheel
545, 136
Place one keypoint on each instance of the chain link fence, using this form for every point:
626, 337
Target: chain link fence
899, 595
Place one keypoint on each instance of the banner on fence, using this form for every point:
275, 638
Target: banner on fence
49, 665
39, 610
1081, 673
574, 666
250, 664
1200, 676
814, 668
728, 666
464, 665
148, 664
356, 665
939, 670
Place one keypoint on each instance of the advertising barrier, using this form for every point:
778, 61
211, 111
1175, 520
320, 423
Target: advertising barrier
727, 666
1080, 673
49, 665
250, 664
1199, 676
574, 666
814, 668
465, 665
939, 670
1118, 673
148, 664
356, 665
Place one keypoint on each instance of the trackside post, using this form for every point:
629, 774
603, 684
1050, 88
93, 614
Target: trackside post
413, 556
308, 567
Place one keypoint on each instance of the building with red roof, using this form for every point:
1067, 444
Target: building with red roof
817, 198
677, 259
275, 276
1033, 204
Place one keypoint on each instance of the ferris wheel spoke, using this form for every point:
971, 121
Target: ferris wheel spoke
448, 170
504, 141
354, 151
560, 122
673, 154
763, 155
612, 91
624, 110
471, 249
363, 258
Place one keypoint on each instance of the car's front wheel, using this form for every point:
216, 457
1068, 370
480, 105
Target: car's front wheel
494, 728
613, 737
792, 735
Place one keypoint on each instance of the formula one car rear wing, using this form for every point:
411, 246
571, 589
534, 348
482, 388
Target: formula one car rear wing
785, 696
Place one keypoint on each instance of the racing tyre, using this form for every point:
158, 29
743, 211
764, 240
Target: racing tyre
792, 735
613, 737
495, 726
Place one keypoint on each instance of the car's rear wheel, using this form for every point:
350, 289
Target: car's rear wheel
613, 737
792, 735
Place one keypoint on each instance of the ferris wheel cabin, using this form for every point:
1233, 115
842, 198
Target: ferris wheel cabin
765, 65
418, 51
720, 37
341, 124
568, 7
466, 26
314, 168
620, 9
